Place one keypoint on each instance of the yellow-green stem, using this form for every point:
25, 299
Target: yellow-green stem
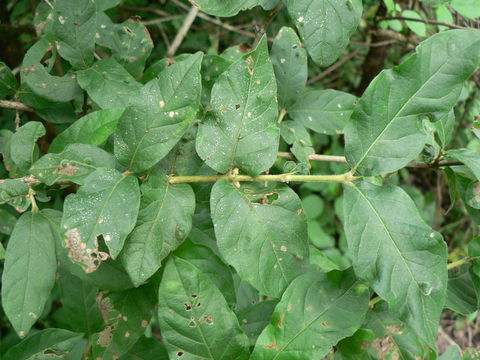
31, 195
374, 301
461, 262
283, 112
343, 178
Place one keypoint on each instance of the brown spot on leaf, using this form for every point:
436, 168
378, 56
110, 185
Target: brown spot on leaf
395, 330
105, 336
206, 319
250, 63
386, 348
272, 345
33, 315
78, 251
67, 169
280, 321
29, 69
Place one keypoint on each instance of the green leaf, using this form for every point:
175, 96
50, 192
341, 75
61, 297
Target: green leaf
7, 220
256, 317
93, 128
79, 305
8, 82
107, 204
15, 193
74, 23
195, 319
23, 147
398, 253
296, 135
267, 222
417, 27
126, 315
323, 111
354, 347
29, 271
469, 158
164, 221
38, 78
108, 84
74, 164
385, 131
43, 344
212, 67
242, 131
320, 259
226, 9
325, 26
183, 160
109, 276
445, 128
147, 132
130, 42
103, 5
289, 60
393, 338
461, 295
315, 312
467, 8
211, 265
51, 111
146, 349
443, 14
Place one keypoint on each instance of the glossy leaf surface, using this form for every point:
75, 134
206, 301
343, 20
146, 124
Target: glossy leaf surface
195, 318
402, 257
268, 222
107, 204
315, 312
385, 131
242, 131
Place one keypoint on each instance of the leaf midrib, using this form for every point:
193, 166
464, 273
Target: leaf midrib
388, 233
395, 116
152, 225
313, 321
207, 345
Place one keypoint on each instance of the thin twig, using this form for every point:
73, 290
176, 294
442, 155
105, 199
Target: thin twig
15, 105
425, 21
342, 159
162, 20
315, 157
192, 14
334, 66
